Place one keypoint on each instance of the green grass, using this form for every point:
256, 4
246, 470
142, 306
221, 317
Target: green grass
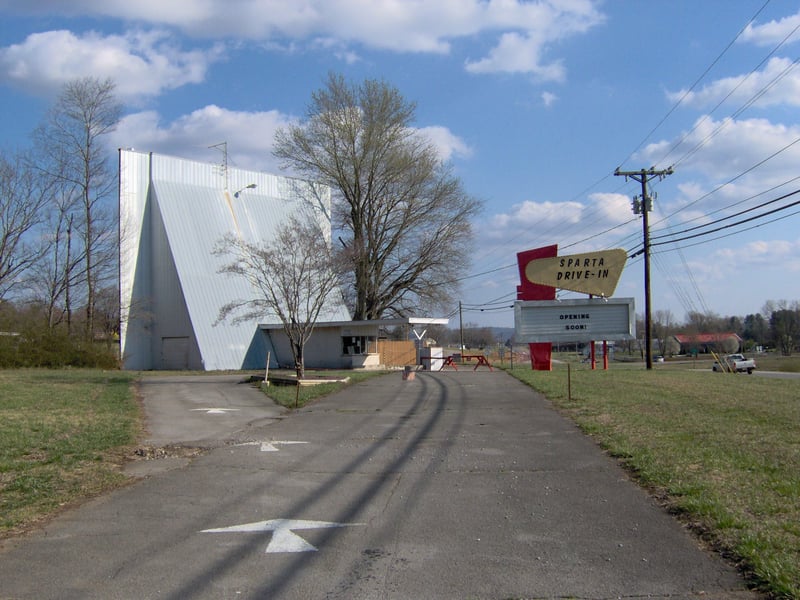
291, 396
64, 435
61, 435
721, 451
773, 361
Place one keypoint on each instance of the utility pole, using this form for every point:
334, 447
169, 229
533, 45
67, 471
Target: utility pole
643, 205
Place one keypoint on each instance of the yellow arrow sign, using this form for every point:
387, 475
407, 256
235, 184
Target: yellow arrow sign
595, 273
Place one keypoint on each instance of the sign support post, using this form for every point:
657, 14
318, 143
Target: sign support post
541, 352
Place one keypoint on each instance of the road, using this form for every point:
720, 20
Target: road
452, 485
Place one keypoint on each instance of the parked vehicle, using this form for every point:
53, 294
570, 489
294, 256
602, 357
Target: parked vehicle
735, 363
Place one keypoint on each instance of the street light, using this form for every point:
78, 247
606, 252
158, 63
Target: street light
250, 186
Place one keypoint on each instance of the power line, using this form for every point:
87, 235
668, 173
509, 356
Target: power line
725, 122
729, 225
696, 83
666, 116
734, 215
742, 201
682, 99
732, 179
720, 237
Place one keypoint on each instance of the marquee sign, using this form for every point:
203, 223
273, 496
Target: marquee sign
595, 273
584, 320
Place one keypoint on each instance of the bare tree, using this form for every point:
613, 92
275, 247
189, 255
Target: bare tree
784, 324
400, 210
293, 276
709, 322
23, 195
70, 141
662, 328
60, 270
756, 329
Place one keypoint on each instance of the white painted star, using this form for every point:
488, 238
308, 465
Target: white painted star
283, 538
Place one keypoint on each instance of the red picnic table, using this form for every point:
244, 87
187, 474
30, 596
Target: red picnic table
482, 360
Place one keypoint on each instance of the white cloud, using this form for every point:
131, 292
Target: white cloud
541, 214
518, 53
720, 151
249, 135
761, 254
549, 99
524, 28
610, 209
585, 227
141, 63
446, 142
773, 32
778, 83
758, 258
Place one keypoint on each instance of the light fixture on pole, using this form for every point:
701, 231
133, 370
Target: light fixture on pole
250, 186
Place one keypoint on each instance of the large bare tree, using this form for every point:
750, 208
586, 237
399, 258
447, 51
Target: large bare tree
71, 143
292, 276
403, 217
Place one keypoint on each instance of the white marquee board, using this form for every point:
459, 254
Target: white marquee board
586, 320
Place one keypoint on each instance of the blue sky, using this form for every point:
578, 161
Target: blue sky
535, 104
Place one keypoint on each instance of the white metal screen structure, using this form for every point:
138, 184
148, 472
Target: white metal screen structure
173, 212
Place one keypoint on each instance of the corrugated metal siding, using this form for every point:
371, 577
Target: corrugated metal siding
170, 312
134, 260
182, 280
195, 219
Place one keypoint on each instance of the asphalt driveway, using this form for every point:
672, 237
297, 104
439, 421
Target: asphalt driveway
453, 485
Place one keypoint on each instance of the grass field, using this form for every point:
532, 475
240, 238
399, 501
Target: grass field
292, 396
62, 439
721, 451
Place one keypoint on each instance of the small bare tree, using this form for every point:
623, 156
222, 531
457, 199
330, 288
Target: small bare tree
60, 270
23, 195
662, 329
292, 276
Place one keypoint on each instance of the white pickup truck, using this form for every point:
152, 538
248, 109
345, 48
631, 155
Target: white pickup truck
735, 363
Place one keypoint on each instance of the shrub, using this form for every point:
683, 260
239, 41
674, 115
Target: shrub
54, 348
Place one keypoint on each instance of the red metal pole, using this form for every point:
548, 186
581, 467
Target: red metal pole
541, 353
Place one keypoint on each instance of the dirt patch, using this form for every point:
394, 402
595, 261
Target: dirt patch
150, 460
155, 453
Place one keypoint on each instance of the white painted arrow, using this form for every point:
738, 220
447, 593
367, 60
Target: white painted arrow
214, 411
283, 538
270, 446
